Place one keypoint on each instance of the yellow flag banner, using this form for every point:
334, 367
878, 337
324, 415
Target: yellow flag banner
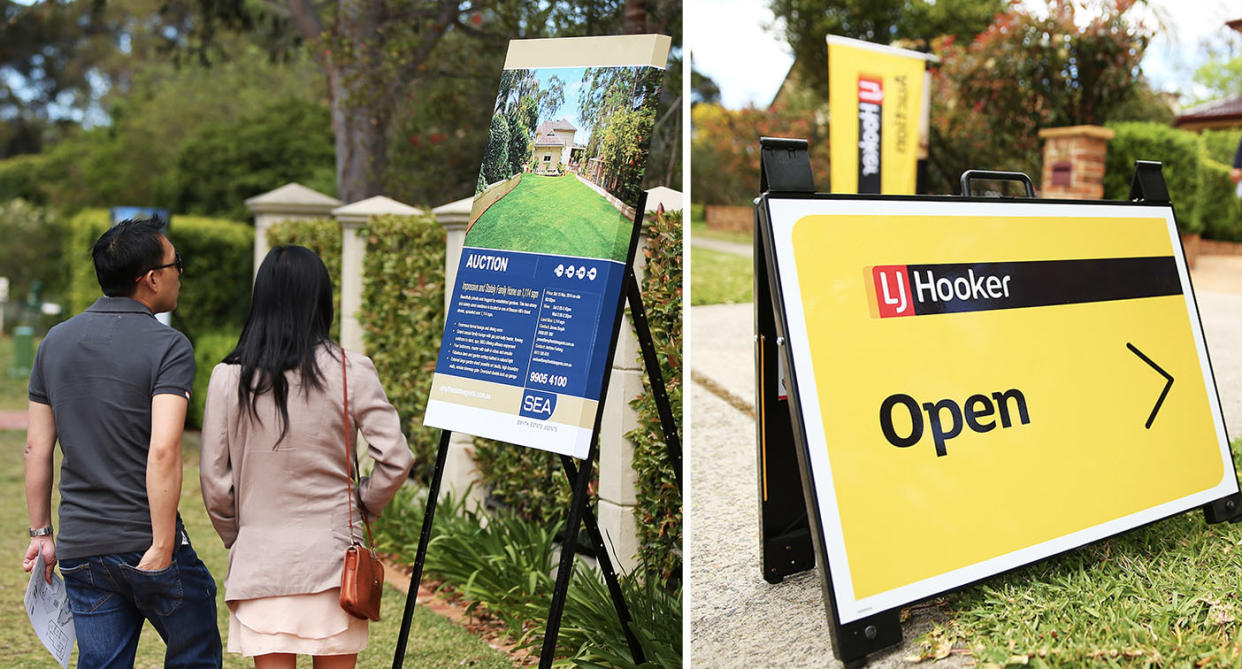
875, 100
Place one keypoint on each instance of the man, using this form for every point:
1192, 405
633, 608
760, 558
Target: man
112, 384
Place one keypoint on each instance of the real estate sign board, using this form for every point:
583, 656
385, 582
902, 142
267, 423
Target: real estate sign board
535, 303
979, 385
877, 103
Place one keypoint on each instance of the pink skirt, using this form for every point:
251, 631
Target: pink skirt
312, 624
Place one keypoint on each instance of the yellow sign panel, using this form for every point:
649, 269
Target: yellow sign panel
984, 385
875, 101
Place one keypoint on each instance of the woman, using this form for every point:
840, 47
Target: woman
273, 468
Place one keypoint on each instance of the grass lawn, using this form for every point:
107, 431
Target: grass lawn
719, 278
558, 215
699, 230
434, 640
1163, 595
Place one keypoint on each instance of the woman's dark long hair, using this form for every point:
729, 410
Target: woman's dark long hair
290, 317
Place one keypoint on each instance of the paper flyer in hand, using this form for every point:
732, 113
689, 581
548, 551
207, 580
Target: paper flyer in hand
47, 605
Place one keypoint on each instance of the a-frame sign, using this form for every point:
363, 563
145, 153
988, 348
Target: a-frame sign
967, 385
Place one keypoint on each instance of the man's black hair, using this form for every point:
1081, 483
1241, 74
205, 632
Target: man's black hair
126, 251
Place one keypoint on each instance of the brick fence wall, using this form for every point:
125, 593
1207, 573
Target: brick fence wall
1211, 247
731, 218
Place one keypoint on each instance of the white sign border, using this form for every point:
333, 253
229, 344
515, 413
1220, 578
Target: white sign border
783, 216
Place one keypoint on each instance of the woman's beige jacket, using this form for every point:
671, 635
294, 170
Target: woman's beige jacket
282, 509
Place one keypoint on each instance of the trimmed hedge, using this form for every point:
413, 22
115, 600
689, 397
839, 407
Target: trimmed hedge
219, 266
1218, 212
215, 289
323, 236
1221, 145
209, 350
659, 509
82, 230
402, 317
1178, 150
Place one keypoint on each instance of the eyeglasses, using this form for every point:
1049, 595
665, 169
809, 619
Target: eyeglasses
175, 263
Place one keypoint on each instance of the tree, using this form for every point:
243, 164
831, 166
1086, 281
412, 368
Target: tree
496, 155
1221, 75
724, 148
703, 89
807, 23
1027, 72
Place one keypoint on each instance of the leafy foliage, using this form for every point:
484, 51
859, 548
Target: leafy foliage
807, 23
724, 149
209, 350
223, 163
402, 317
524, 481
323, 236
219, 266
504, 563
1178, 150
1023, 73
31, 250
496, 154
1217, 211
659, 509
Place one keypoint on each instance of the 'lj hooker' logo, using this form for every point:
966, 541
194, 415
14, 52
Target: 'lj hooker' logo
870, 106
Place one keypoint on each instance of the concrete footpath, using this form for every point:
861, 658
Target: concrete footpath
739, 620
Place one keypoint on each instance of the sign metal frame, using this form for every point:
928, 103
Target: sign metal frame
792, 537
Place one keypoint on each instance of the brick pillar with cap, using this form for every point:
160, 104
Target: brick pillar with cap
1074, 162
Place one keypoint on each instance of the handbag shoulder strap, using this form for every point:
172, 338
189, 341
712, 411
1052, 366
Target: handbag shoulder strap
349, 459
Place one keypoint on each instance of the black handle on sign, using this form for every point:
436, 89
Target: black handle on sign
996, 176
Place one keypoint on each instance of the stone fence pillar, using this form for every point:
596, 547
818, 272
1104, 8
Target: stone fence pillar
289, 202
460, 470
617, 478
353, 250
1074, 162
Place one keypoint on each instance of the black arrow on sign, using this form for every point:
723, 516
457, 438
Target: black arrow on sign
1163, 393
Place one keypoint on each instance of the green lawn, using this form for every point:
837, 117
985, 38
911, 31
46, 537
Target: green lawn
1163, 595
434, 640
699, 230
558, 215
719, 278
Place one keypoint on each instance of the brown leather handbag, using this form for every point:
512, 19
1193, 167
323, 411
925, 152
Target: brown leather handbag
362, 575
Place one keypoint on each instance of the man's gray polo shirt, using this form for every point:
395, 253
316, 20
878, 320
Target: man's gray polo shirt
98, 371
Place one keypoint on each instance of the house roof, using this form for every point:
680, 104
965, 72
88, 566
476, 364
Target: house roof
549, 139
1219, 112
548, 126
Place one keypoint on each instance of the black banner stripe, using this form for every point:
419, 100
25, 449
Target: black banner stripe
1039, 283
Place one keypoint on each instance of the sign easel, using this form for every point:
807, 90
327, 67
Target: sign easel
544, 277
916, 355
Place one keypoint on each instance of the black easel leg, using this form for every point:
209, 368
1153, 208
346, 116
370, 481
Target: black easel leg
416, 578
563, 573
605, 566
668, 423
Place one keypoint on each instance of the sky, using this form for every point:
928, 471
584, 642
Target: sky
572, 78
731, 41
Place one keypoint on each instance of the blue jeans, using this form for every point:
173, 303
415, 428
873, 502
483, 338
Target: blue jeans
110, 598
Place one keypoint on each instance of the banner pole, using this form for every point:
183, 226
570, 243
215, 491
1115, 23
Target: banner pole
605, 566
668, 423
416, 578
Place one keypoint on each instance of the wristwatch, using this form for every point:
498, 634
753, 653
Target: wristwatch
41, 532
